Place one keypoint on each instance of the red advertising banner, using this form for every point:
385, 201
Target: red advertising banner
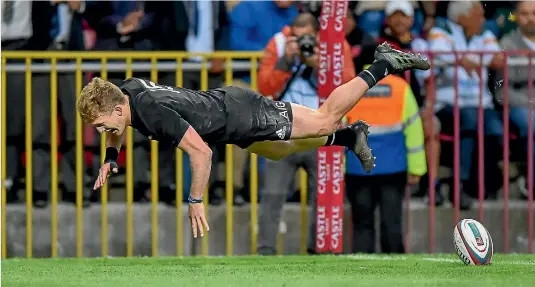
330, 190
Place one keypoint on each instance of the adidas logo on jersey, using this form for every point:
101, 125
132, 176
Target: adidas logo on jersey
281, 132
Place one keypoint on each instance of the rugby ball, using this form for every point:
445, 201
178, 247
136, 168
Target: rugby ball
473, 242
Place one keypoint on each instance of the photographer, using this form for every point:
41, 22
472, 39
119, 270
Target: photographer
283, 55
288, 72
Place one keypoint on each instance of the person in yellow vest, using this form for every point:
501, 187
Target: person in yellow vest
397, 139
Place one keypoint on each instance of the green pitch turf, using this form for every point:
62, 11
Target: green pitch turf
291, 271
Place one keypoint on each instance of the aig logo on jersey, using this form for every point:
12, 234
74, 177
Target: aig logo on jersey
284, 111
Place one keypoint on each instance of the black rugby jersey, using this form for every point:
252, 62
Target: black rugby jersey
164, 113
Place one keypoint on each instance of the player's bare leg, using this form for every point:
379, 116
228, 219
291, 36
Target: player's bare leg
354, 137
309, 123
324, 121
314, 128
276, 150
387, 61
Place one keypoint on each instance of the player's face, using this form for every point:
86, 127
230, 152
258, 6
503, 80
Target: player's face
114, 123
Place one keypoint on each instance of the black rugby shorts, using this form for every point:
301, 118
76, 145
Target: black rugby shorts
252, 117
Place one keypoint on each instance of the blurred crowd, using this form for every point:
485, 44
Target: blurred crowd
415, 109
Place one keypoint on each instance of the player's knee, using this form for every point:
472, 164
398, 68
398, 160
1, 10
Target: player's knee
328, 125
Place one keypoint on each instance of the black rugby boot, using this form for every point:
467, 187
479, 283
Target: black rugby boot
400, 61
389, 61
361, 147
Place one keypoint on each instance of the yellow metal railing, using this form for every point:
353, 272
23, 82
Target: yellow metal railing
129, 178
179, 178
29, 162
104, 190
79, 166
54, 153
4, 154
128, 58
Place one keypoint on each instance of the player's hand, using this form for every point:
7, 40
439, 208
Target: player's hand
105, 172
198, 220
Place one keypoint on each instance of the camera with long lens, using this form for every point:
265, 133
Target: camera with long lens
306, 43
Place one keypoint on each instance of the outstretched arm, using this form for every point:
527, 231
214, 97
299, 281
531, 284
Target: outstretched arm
180, 134
200, 160
171, 128
183, 136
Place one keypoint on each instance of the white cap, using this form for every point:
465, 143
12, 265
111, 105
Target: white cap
397, 5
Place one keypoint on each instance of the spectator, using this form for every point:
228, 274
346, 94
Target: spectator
396, 31
287, 74
522, 39
362, 44
28, 26
125, 25
461, 33
66, 32
251, 33
370, 15
120, 25
396, 137
496, 14
67, 24
196, 27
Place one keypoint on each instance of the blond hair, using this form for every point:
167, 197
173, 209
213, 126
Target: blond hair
98, 98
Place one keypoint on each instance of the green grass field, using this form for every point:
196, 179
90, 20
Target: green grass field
351, 270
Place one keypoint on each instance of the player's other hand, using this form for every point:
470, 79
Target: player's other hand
198, 220
105, 172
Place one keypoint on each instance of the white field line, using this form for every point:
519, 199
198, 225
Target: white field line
436, 259
371, 257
